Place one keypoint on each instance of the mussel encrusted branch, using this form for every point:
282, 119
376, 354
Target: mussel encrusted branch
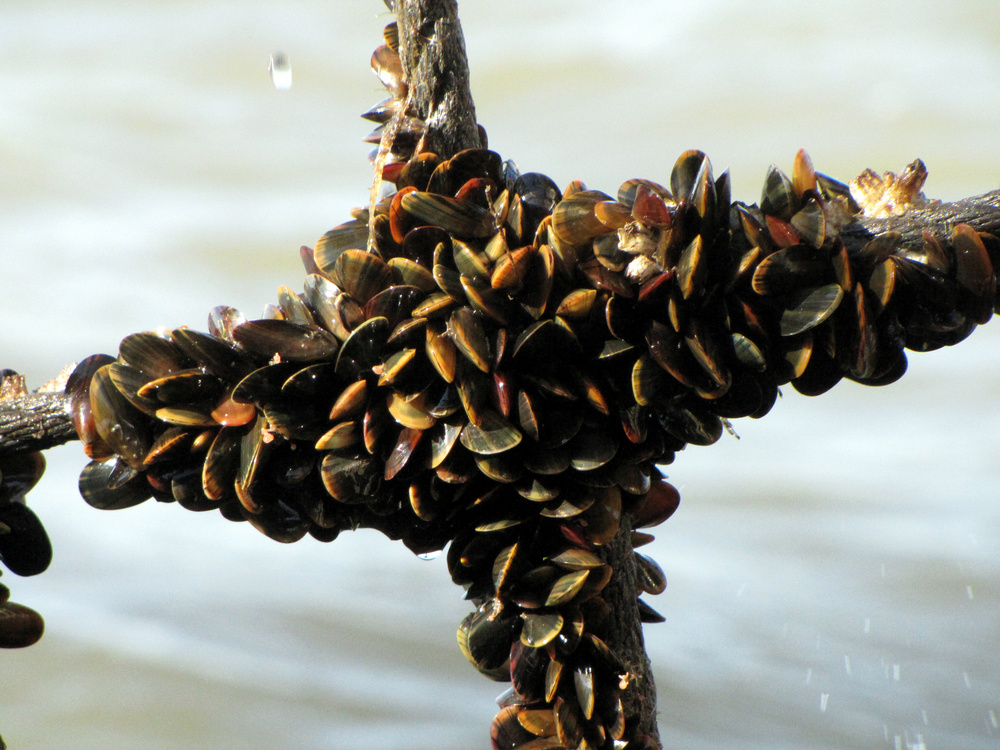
486, 361
503, 375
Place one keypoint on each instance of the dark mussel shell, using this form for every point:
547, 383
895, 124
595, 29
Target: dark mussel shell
24, 548
290, 341
108, 485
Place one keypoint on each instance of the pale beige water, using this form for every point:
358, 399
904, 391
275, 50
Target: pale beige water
833, 574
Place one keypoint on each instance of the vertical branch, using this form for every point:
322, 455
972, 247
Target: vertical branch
625, 632
435, 67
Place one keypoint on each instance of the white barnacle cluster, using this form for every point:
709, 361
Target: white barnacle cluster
891, 194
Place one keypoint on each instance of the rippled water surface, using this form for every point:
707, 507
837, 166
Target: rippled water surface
833, 573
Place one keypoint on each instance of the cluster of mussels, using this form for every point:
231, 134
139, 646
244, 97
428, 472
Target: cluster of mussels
486, 360
25, 549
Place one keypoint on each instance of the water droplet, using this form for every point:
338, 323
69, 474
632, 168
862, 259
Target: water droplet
968, 591
429, 555
868, 625
993, 719
895, 672
923, 715
281, 71
968, 682
847, 664
809, 675
823, 700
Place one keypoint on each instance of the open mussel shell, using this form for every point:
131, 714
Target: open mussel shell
690, 171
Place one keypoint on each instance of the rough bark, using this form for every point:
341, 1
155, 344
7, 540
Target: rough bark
35, 422
625, 631
981, 212
436, 69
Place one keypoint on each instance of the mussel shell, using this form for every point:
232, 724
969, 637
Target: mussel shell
218, 356
494, 435
528, 667
363, 349
290, 341
24, 548
100, 491
409, 272
690, 170
293, 308
351, 234
19, 472
222, 319
351, 478
465, 327
461, 218
540, 628
691, 424
778, 197
574, 220
486, 639
154, 355
20, 626
126, 430
360, 274
809, 308
328, 304
184, 387
791, 269
650, 575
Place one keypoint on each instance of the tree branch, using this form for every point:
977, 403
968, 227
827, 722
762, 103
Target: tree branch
981, 212
435, 66
33, 421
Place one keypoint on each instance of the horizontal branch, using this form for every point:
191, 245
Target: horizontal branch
981, 212
35, 422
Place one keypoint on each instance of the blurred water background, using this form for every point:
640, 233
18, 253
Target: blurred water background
833, 573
